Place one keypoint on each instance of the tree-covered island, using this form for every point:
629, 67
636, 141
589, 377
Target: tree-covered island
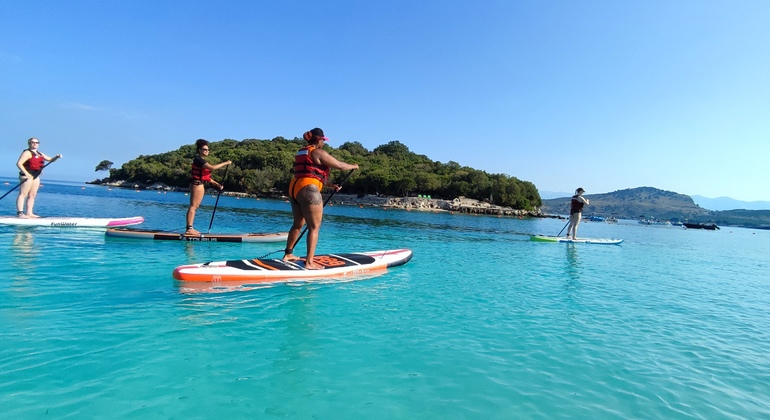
262, 167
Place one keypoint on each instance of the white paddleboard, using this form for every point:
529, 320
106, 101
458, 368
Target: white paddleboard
602, 241
276, 270
70, 221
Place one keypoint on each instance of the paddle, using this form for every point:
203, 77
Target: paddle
324, 205
562, 229
217, 202
33, 177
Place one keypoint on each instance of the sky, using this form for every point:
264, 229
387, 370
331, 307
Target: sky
604, 95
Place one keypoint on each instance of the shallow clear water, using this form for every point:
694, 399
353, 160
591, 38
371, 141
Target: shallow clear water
482, 323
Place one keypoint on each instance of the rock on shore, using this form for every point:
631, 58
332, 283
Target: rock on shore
459, 205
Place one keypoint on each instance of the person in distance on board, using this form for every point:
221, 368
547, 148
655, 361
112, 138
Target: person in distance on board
30, 164
200, 175
576, 212
311, 172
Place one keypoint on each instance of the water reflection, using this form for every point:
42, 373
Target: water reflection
24, 254
574, 266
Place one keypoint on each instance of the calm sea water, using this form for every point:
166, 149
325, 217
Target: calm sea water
482, 323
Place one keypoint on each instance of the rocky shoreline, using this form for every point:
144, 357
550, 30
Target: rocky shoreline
457, 205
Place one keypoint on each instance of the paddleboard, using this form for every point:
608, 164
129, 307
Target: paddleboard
204, 237
71, 221
604, 241
275, 270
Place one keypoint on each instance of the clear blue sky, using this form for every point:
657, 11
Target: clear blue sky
606, 95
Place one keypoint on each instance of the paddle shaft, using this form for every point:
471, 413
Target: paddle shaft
327, 200
33, 177
562, 229
216, 203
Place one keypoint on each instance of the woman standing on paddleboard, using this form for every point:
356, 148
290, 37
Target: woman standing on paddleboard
311, 172
576, 212
200, 175
30, 164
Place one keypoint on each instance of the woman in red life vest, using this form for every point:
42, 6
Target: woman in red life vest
576, 212
311, 172
200, 175
30, 164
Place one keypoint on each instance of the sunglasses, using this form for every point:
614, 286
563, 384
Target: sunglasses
34, 142
205, 150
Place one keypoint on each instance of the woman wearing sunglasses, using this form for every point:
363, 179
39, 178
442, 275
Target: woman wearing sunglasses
200, 175
30, 164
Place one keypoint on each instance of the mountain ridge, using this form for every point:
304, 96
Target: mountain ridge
653, 203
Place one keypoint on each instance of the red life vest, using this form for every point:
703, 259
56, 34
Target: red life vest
200, 173
304, 167
36, 162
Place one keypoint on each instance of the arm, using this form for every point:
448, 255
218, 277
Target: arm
48, 158
217, 166
320, 156
585, 200
25, 155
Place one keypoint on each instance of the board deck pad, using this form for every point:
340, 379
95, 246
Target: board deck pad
601, 241
204, 237
276, 270
71, 221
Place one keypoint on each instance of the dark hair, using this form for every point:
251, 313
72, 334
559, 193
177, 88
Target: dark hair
200, 143
580, 189
309, 136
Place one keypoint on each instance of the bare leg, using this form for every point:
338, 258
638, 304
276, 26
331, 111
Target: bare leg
34, 185
574, 221
311, 204
24, 188
299, 221
196, 196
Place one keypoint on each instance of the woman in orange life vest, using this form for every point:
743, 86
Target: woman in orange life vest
576, 212
30, 166
311, 172
199, 175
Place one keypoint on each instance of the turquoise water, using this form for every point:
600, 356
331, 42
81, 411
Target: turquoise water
482, 323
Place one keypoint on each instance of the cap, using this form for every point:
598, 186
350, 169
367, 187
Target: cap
580, 189
314, 132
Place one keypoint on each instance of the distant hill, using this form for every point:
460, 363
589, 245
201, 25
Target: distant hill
727, 203
633, 203
652, 203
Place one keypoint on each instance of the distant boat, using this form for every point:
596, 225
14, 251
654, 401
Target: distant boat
654, 221
613, 218
707, 226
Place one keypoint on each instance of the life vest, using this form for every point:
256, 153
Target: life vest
200, 173
576, 206
304, 167
36, 162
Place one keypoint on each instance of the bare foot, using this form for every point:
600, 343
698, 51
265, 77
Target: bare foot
33, 216
21, 215
313, 266
192, 232
290, 257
